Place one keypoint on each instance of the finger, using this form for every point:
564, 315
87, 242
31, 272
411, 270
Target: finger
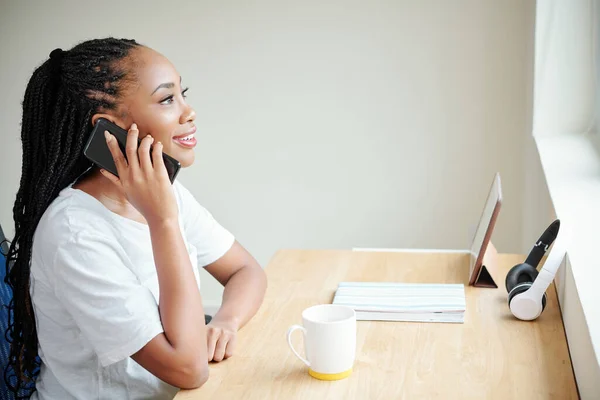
144, 153
230, 346
212, 338
220, 348
116, 153
157, 158
131, 146
111, 177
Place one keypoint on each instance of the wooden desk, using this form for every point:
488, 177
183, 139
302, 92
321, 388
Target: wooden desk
491, 356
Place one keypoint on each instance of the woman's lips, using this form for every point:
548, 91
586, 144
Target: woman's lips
188, 140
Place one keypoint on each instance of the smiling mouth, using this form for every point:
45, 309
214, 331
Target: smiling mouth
187, 141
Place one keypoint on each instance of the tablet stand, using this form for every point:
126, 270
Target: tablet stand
488, 267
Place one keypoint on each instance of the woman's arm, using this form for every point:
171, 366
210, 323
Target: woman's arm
177, 356
245, 284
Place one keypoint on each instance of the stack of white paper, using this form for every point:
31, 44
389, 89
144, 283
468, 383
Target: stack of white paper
386, 301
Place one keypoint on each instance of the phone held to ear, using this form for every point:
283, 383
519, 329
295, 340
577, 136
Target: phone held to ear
97, 151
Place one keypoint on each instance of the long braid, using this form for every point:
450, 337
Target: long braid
61, 97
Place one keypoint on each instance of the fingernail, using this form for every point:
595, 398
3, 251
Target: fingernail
107, 136
134, 126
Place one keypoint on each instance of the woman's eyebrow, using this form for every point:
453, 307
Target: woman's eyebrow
166, 85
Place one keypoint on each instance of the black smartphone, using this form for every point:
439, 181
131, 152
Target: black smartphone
97, 151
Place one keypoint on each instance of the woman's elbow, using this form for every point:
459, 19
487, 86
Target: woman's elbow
194, 375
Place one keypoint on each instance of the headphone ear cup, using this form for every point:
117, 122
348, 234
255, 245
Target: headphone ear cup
520, 273
520, 288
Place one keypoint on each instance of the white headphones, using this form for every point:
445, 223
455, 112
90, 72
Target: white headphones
525, 286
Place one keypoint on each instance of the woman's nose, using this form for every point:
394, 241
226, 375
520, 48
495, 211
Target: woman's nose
188, 116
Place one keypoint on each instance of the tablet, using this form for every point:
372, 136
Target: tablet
485, 228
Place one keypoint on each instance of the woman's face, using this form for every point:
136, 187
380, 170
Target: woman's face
156, 103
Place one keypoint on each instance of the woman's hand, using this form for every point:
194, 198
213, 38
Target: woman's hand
221, 337
145, 182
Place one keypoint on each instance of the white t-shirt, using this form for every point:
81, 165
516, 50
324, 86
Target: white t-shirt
95, 295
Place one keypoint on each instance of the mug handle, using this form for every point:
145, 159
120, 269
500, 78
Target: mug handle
289, 340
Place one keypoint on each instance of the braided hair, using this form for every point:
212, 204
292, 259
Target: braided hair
60, 99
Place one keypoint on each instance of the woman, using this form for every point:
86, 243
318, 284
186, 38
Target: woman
105, 269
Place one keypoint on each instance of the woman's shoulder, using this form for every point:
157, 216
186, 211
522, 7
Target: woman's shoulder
73, 217
73, 212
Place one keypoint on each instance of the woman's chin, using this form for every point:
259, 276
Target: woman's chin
186, 159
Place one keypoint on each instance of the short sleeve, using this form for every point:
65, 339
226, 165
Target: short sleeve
94, 282
210, 238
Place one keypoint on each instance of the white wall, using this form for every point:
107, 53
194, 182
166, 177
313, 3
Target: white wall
321, 125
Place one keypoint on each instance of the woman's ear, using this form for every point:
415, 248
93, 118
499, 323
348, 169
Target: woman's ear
109, 117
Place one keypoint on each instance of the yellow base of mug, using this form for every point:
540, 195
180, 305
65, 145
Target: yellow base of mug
330, 377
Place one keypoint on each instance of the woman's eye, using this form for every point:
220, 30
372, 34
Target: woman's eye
167, 100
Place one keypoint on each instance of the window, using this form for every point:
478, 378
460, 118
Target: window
566, 115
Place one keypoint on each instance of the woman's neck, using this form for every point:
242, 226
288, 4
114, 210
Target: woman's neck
110, 195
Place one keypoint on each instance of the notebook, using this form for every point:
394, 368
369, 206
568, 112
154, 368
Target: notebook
410, 302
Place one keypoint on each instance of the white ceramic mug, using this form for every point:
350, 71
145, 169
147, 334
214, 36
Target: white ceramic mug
329, 341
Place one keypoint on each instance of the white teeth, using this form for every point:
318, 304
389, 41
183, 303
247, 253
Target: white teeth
188, 137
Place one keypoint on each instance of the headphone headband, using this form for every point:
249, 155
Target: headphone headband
553, 262
542, 244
